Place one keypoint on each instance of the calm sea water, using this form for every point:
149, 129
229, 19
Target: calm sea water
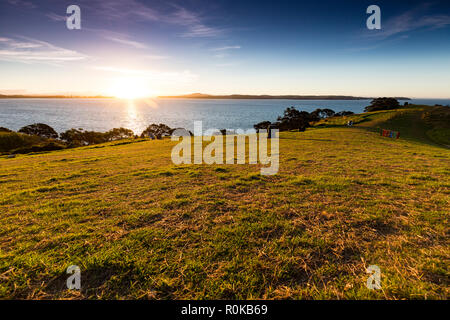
105, 114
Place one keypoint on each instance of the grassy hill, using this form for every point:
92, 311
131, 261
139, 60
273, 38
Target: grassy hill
140, 227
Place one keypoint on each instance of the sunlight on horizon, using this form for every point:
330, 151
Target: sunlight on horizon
130, 88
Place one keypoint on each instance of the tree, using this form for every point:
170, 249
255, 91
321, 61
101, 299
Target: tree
157, 130
382, 104
264, 125
73, 137
41, 130
118, 134
343, 113
2, 129
79, 137
293, 119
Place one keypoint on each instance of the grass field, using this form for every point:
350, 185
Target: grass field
140, 227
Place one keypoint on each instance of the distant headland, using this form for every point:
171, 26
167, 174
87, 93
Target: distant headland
283, 97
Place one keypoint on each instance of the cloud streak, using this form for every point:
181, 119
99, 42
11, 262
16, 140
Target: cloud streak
226, 48
132, 10
409, 21
22, 3
29, 50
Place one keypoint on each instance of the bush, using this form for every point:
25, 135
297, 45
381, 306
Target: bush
46, 146
13, 140
2, 129
41, 130
382, 104
156, 130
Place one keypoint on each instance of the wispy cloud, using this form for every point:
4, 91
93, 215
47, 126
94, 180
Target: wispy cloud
192, 23
22, 3
127, 42
226, 48
56, 17
28, 50
409, 21
118, 37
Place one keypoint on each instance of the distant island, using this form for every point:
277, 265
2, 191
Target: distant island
34, 96
284, 97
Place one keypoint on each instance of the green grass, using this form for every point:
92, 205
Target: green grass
140, 227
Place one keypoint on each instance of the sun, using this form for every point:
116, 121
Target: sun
130, 88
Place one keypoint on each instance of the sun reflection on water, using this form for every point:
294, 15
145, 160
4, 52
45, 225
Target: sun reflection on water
135, 120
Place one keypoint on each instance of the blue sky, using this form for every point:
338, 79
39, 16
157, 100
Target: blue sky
226, 47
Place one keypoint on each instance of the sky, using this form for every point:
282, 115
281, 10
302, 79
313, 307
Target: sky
137, 47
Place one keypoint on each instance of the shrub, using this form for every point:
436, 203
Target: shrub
156, 130
41, 130
2, 129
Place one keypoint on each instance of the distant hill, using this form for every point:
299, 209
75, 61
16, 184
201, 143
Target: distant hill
285, 97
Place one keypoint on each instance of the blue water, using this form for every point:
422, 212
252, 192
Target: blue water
105, 114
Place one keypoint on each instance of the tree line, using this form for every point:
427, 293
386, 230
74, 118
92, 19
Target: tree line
41, 137
293, 119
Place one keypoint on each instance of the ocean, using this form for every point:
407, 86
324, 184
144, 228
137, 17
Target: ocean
105, 114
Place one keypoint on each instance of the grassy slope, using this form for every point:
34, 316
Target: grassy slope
140, 227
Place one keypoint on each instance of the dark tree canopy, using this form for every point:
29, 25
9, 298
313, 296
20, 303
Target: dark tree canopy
80, 137
41, 130
293, 119
2, 129
156, 130
382, 104
262, 125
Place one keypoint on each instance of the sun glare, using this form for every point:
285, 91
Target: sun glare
130, 88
